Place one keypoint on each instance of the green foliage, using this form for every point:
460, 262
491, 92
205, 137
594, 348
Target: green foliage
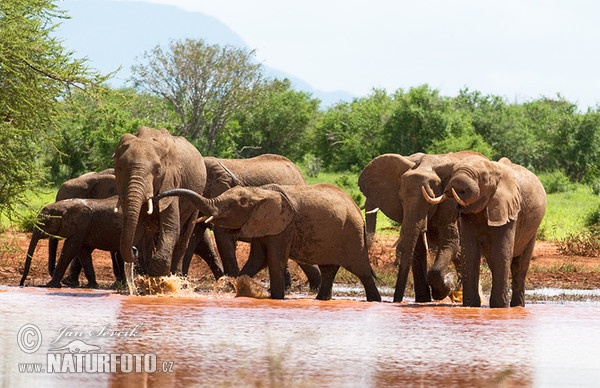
556, 182
278, 122
312, 165
88, 135
351, 134
567, 212
36, 74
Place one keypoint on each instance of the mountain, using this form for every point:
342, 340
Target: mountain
113, 35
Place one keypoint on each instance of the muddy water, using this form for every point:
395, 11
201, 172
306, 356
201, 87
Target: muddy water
217, 340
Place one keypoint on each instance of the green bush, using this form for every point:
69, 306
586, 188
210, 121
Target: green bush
556, 182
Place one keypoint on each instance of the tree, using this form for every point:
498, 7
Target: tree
277, 122
351, 134
89, 132
205, 84
36, 74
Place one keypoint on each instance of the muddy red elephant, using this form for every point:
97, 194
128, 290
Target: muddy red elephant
501, 206
223, 174
317, 224
393, 184
147, 163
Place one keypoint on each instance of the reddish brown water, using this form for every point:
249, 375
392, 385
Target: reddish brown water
217, 340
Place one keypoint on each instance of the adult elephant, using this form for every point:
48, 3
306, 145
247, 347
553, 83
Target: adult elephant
317, 224
145, 164
223, 174
501, 206
392, 183
92, 185
86, 225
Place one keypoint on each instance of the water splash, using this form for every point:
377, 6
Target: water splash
129, 278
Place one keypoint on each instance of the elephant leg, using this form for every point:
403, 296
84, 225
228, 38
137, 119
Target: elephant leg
402, 276
181, 244
72, 278
85, 257
118, 265
471, 253
204, 248
419, 267
69, 251
226, 244
499, 261
52, 251
519, 268
257, 260
312, 274
278, 251
328, 273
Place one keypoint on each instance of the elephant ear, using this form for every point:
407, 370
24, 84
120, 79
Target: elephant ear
505, 204
380, 183
270, 216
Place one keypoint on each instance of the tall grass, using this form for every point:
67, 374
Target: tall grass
24, 214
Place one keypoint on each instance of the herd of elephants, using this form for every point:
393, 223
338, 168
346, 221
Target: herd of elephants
153, 210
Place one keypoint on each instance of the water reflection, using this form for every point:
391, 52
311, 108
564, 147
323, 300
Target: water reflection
210, 339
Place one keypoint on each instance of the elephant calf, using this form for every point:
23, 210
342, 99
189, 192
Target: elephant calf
317, 224
86, 225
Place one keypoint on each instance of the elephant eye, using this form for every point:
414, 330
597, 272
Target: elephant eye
244, 201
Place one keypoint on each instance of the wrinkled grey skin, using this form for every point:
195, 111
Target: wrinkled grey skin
223, 174
149, 162
317, 224
93, 185
501, 206
393, 183
86, 225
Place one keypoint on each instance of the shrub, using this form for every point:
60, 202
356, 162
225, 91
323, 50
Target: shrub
556, 182
582, 244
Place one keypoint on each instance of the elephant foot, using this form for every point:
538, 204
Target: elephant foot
440, 293
73, 283
159, 267
119, 284
92, 285
53, 284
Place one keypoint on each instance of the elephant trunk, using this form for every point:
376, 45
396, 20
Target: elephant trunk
410, 253
205, 205
35, 237
136, 196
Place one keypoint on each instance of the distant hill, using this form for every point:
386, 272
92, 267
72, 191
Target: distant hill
112, 34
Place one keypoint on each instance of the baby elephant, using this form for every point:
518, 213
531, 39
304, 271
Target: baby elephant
317, 224
85, 224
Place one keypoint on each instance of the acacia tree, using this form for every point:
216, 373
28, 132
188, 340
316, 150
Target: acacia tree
36, 74
205, 84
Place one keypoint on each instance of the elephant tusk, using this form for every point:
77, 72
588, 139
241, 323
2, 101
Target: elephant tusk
457, 198
209, 219
201, 219
425, 241
372, 211
150, 206
394, 245
118, 205
432, 200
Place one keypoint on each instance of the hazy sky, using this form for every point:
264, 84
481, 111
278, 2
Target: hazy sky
517, 49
